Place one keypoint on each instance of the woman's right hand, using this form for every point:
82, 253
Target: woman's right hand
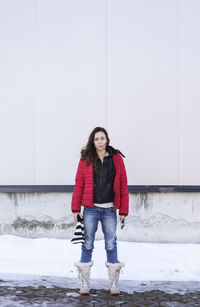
75, 216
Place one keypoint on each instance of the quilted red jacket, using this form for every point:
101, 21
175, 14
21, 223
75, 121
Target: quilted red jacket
83, 189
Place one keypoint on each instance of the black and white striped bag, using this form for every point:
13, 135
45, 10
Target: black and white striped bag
79, 232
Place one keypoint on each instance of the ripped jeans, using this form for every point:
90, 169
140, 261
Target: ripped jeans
108, 219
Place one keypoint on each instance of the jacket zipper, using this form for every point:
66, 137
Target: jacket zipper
100, 183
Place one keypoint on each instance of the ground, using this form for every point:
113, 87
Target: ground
48, 292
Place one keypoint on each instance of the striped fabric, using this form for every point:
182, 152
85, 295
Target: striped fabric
79, 232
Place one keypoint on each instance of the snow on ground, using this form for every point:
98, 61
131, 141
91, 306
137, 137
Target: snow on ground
23, 258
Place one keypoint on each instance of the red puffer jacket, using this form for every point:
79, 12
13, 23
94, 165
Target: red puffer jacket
83, 189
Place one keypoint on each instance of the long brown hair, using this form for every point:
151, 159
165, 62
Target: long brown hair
89, 153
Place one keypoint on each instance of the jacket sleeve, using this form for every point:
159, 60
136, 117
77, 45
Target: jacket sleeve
78, 188
124, 196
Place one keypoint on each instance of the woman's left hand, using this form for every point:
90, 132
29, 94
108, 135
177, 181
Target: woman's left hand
122, 217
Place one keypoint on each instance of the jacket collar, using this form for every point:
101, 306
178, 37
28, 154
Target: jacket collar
112, 151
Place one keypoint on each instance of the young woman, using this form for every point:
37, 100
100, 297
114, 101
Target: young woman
101, 188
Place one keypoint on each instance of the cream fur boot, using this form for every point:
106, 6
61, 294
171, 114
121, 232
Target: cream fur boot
113, 273
84, 275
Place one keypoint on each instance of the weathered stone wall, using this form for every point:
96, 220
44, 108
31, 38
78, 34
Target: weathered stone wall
153, 217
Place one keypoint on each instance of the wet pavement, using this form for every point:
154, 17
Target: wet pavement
61, 297
55, 294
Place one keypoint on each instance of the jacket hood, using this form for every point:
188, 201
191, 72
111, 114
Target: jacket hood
112, 150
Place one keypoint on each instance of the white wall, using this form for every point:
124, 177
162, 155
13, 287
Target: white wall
189, 97
131, 66
17, 92
142, 70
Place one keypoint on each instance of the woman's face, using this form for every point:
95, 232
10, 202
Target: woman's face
100, 141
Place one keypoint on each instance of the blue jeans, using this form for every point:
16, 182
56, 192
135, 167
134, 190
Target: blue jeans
108, 219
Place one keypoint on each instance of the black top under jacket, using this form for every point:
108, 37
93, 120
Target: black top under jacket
104, 181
